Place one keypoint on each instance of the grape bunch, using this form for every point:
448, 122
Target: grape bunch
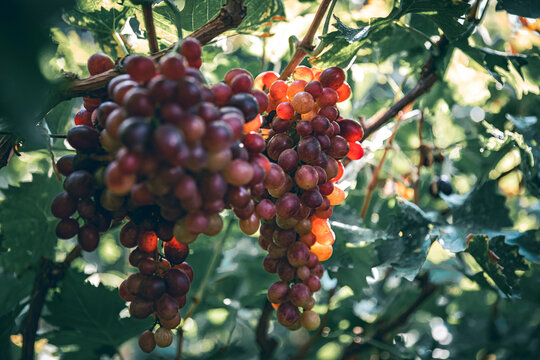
162, 155
307, 138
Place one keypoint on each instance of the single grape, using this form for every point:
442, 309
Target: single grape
147, 343
99, 63
140, 68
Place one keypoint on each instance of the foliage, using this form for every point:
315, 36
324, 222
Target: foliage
481, 116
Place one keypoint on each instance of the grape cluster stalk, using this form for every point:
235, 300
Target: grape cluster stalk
163, 154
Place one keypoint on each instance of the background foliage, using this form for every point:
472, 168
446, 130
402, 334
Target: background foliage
409, 283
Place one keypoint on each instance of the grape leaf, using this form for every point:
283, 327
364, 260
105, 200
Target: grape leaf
345, 42
94, 327
492, 263
528, 127
490, 59
525, 8
529, 244
27, 226
102, 22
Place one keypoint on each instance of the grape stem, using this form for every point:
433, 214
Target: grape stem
421, 158
307, 42
204, 283
47, 277
373, 183
150, 28
267, 345
427, 79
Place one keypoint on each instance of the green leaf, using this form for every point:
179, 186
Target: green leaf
102, 22
196, 13
490, 59
525, 8
407, 240
529, 244
86, 319
445, 12
260, 12
498, 261
26, 224
59, 118
528, 127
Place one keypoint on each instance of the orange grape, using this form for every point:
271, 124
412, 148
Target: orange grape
295, 87
285, 110
339, 173
344, 91
337, 196
265, 79
319, 226
303, 73
355, 151
326, 238
278, 90
323, 252
253, 125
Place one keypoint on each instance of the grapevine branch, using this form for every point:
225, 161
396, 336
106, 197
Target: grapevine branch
375, 177
47, 277
267, 345
387, 328
150, 28
425, 82
421, 151
202, 288
230, 16
307, 42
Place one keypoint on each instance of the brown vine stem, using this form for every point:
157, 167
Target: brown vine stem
307, 42
373, 183
204, 283
267, 345
48, 275
150, 28
421, 160
230, 16
304, 349
426, 80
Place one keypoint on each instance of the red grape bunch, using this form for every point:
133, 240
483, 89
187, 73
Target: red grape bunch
164, 154
306, 141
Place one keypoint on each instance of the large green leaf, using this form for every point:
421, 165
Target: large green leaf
529, 244
196, 13
490, 59
345, 42
526, 8
529, 128
498, 261
86, 319
26, 224
102, 22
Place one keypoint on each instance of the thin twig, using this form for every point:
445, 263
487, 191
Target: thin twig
267, 345
47, 276
425, 82
304, 349
210, 270
200, 292
150, 28
421, 160
373, 183
307, 42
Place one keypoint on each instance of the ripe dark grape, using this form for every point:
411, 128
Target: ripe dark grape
99, 63
332, 78
67, 228
147, 343
88, 237
191, 49
177, 282
140, 68
83, 138
287, 314
247, 103
175, 252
